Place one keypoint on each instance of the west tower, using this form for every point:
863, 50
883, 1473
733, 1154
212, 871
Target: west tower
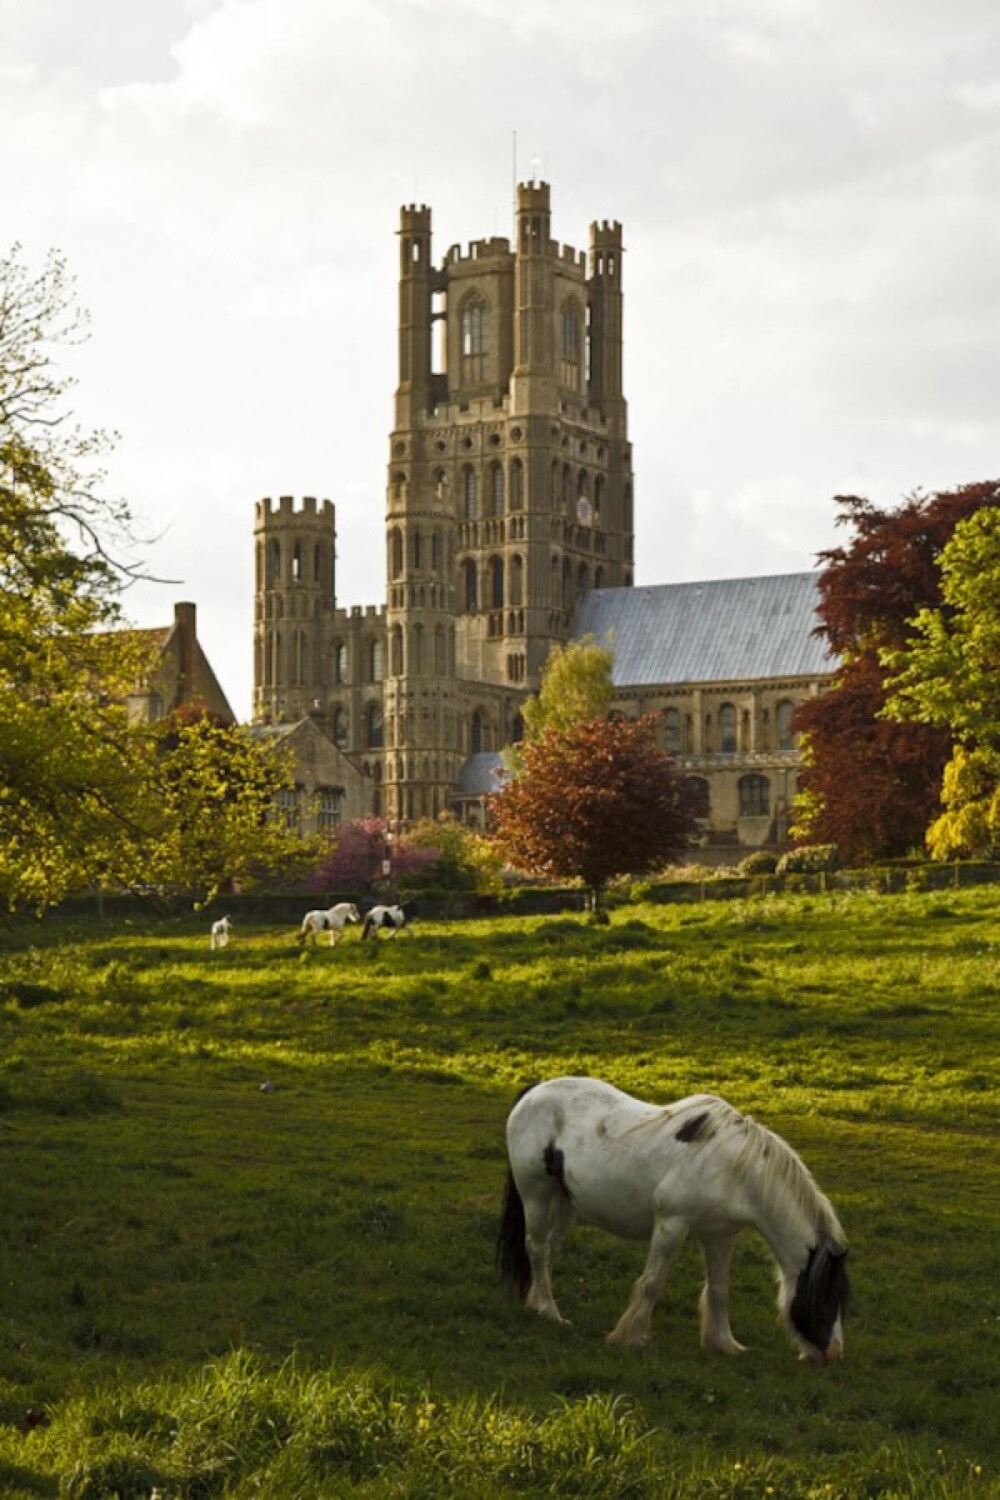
510, 485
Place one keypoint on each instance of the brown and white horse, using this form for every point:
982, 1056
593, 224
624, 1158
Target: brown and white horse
579, 1148
333, 921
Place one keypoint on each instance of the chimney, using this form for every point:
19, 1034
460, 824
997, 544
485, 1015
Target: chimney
185, 623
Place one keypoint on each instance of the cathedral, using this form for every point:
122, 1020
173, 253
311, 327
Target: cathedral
509, 530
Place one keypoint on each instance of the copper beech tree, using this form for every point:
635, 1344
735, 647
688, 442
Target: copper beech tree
871, 786
592, 801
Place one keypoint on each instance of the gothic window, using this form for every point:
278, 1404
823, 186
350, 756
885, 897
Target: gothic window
570, 364
273, 578
516, 581
496, 489
470, 493
516, 484
473, 340
373, 727
496, 583
699, 799
418, 550
567, 582
440, 663
471, 592
417, 663
376, 661
338, 728
755, 797
598, 578
786, 739
476, 733
582, 579
395, 552
297, 563
396, 653
727, 729
598, 494
340, 662
672, 731
435, 552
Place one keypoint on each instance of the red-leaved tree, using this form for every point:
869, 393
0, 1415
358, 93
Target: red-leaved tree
872, 786
593, 801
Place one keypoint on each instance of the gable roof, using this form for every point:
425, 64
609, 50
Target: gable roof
728, 630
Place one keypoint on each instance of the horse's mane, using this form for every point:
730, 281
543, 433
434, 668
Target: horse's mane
769, 1165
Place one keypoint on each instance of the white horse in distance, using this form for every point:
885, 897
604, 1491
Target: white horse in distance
332, 921
578, 1148
219, 937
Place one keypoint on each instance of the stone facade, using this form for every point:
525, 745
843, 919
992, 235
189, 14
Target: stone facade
509, 503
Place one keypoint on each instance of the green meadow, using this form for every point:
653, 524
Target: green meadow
213, 1289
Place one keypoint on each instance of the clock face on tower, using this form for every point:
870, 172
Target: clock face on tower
583, 513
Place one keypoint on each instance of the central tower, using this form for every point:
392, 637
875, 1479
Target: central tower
510, 485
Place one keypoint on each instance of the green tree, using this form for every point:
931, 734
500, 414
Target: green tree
948, 674
594, 800
70, 787
212, 822
576, 684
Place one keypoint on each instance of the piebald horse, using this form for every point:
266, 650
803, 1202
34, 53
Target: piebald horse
332, 921
579, 1148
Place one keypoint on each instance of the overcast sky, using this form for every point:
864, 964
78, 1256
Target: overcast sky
810, 195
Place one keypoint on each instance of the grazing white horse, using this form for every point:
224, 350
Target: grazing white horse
332, 921
579, 1148
394, 918
220, 933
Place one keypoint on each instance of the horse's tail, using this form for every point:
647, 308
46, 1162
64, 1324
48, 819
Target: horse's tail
512, 1261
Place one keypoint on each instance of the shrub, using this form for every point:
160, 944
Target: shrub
810, 859
758, 863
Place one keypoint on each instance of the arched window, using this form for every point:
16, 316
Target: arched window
440, 658
297, 563
273, 569
417, 651
395, 552
569, 368
755, 796
340, 662
373, 727
598, 494
672, 730
727, 729
516, 484
471, 592
396, 652
473, 340
338, 728
470, 493
496, 489
496, 583
582, 579
418, 550
699, 799
516, 587
435, 552
786, 739
376, 661
476, 733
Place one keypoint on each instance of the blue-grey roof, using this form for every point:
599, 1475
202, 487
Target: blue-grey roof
479, 774
729, 630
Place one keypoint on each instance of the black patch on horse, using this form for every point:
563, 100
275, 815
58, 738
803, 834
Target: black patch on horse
693, 1128
821, 1293
554, 1165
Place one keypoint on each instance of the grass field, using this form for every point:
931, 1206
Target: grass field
209, 1289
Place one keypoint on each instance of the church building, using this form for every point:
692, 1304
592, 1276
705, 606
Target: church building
509, 530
